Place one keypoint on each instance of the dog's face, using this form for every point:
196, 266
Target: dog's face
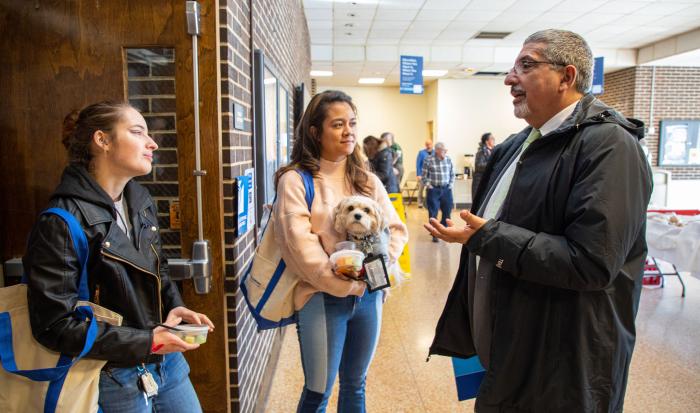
358, 216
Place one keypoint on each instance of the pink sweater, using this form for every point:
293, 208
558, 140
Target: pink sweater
307, 239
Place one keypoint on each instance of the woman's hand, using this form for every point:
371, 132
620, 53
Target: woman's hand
178, 314
165, 342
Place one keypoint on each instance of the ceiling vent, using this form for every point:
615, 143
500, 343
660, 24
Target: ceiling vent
491, 35
490, 74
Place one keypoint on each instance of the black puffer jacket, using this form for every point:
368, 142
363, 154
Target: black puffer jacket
131, 280
569, 249
382, 166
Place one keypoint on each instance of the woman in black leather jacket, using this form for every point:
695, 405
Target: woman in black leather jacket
108, 145
381, 160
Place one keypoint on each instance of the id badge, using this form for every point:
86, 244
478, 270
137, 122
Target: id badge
376, 275
147, 384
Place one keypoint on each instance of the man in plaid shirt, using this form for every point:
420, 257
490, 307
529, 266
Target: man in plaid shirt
439, 177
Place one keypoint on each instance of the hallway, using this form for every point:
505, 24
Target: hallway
665, 373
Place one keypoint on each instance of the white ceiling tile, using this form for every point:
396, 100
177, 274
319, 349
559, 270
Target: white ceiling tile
421, 34
385, 34
429, 25
351, 24
319, 24
471, 55
349, 54
663, 9
532, 5
445, 15
445, 4
360, 14
321, 36
462, 35
692, 11
492, 5
390, 25
601, 19
469, 15
355, 4
445, 54
448, 42
505, 54
400, 4
347, 40
382, 41
382, 53
578, 6
317, 4
319, 14
483, 42
321, 52
396, 14
554, 18
414, 50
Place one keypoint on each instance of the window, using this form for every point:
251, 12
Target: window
271, 131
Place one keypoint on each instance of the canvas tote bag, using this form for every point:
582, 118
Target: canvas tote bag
34, 378
268, 285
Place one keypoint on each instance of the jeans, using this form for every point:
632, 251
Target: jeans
440, 198
119, 392
337, 336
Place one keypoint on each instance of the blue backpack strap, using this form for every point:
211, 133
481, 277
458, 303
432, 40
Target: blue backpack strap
308, 179
56, 375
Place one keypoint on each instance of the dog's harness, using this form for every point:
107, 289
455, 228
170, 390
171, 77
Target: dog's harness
366, 243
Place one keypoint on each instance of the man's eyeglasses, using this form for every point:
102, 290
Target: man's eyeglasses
525, 65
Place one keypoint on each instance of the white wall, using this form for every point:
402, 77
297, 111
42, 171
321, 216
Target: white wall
684, 194
383, 109
467, 108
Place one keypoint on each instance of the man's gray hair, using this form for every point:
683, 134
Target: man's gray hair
439, 145
567, 48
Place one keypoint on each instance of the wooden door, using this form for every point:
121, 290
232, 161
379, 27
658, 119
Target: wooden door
59, 55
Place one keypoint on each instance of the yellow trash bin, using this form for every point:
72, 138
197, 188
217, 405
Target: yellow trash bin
405, 258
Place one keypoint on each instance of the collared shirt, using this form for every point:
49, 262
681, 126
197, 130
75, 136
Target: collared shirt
422, 155
438, 172
480, 316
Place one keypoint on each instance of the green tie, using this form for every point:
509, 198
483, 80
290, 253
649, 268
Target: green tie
503, 185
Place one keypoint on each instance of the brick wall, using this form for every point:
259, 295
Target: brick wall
676, 97
279, 29
151, 90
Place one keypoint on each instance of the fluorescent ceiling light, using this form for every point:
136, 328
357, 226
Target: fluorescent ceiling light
371, 80
321, 73
434, 73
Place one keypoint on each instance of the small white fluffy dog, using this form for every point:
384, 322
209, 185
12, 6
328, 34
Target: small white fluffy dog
362, 220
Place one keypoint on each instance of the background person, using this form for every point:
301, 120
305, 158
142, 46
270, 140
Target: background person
420, 158
381, 160
108, 145
439, 178
397, 152
338, 319
554, 246
483, 155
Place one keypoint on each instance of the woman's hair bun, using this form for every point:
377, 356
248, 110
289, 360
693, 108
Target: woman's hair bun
70, 123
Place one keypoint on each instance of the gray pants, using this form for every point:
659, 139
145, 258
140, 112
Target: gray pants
421, 193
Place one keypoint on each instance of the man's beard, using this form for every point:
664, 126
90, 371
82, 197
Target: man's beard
521, 110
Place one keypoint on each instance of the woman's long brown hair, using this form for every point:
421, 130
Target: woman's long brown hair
306, 149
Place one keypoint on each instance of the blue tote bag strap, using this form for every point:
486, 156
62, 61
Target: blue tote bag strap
308, 186
7, 356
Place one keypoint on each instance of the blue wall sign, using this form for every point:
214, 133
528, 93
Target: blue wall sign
597, 87
244, 186
412, 75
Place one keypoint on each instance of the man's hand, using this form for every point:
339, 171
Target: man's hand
456, 234
418, 178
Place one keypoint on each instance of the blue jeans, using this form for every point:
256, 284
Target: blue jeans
440, 198
119, 392
337, 336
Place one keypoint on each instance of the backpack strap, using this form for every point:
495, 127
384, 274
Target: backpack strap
55, 374
308, 186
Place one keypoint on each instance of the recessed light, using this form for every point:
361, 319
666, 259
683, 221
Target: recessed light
348, 33
371, 80
352, 14
321, 73
434, 73
349, 25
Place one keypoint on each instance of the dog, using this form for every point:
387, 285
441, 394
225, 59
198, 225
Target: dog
362, 220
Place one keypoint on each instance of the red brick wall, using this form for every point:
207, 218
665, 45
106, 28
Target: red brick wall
676, 97
279, 29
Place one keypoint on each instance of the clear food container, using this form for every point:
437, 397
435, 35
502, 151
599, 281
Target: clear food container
347, 262
192, 333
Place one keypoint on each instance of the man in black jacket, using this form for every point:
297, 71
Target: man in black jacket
550, 273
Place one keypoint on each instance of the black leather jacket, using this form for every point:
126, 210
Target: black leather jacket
125, 276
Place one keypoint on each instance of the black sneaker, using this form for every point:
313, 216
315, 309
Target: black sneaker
435, 239
420, 206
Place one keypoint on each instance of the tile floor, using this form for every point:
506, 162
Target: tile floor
664, 376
